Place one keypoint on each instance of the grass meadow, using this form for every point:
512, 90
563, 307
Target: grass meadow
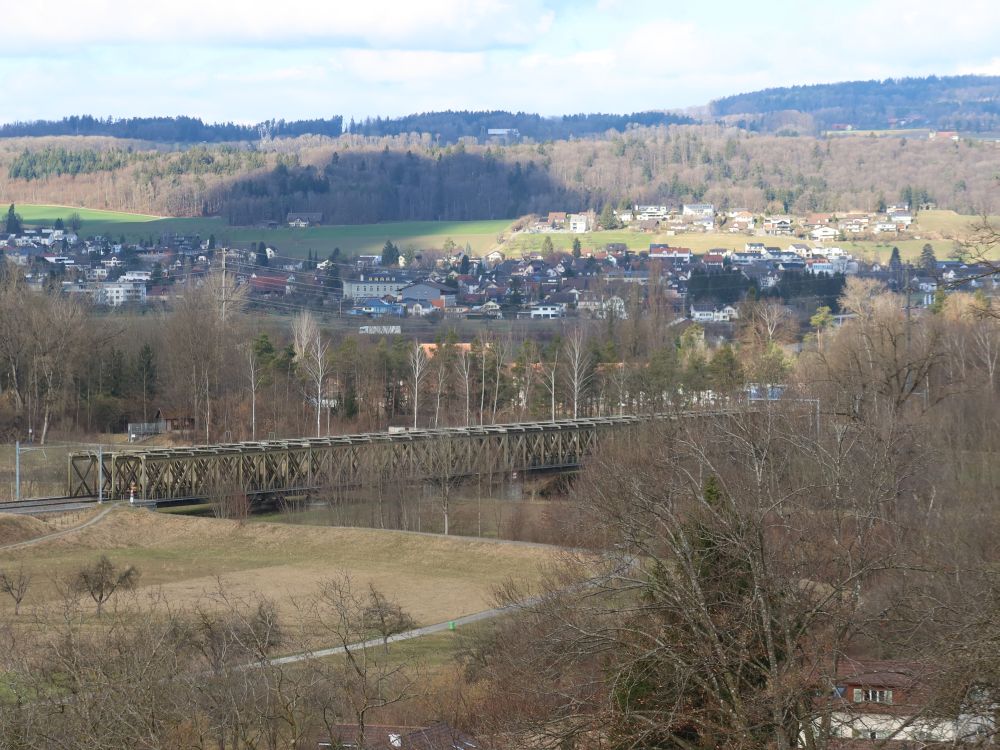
185, 560
352, 239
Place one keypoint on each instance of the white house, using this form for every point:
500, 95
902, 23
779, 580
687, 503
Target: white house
885, 700
824, 233
547, 311
118, 293
579, 223
713, 313
650, 213
777, 225
698, 210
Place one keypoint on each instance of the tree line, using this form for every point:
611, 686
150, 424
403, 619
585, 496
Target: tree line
409, 177
33, 165
169, 129
967, 103
450, 126
239, 376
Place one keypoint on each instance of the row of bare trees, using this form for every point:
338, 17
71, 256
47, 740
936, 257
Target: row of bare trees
149, 674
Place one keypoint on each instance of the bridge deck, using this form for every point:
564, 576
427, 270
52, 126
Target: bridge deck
304, 464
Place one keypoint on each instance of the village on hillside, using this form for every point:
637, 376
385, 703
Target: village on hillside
610, 281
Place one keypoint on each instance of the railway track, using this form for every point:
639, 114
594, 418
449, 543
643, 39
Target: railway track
47, 505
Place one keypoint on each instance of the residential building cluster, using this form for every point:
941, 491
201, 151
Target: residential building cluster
613, 281
672, 219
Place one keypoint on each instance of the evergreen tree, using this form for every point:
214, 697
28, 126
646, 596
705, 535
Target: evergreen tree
390, 255
725, 370
937, 306
608, 219
895, 262
547, 247
928, 261
577, 247
14, 224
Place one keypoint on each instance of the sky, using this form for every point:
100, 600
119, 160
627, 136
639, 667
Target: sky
251, 60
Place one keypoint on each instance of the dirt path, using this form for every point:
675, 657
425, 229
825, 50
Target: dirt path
64, 532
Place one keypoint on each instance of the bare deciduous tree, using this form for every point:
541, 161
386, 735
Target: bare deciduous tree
255, 378
579, 367
386, 616
312, 359
369, 678
418, 372
102, 579
463, 365
15, 585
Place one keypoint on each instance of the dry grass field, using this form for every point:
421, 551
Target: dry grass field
186, 560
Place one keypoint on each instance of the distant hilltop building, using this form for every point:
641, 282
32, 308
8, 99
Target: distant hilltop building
505, 135
304, 219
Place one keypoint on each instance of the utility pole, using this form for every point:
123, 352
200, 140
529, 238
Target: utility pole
17, 469
100, 474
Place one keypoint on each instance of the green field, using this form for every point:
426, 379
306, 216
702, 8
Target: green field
351, 239
38, 214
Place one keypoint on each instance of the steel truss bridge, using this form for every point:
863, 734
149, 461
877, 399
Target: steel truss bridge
277, 468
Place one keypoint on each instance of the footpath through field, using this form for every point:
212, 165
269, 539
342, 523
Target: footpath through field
64, 532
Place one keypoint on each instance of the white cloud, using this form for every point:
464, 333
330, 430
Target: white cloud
309, 58
409, 66
428, 24
991, 68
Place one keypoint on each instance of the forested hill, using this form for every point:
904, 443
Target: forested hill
170, 129
449, 126
965, 103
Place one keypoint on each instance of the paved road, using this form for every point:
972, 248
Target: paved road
408, 635
487, 614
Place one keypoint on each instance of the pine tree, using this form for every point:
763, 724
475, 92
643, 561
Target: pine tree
577, 247
928, 261
390, 255
14, 224
608, 219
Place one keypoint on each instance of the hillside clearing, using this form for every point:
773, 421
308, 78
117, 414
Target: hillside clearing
354, 239
188, 559
46, 214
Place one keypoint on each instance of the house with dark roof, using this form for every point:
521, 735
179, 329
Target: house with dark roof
877, 701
